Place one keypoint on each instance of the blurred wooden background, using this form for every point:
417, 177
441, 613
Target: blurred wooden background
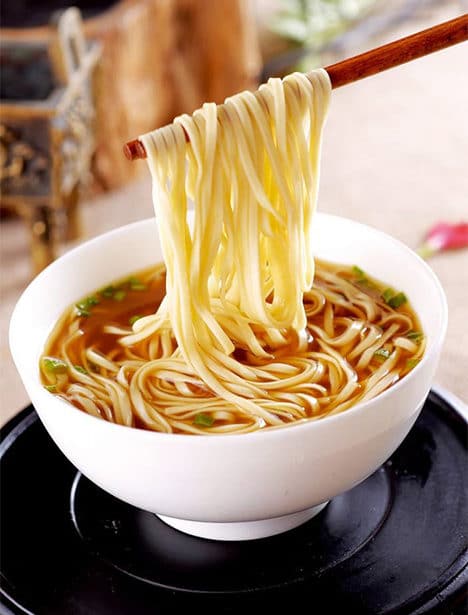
159, 58
394, 156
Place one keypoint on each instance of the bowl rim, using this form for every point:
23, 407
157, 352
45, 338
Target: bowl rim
274, 431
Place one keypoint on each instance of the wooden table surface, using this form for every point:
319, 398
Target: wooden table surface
395, 157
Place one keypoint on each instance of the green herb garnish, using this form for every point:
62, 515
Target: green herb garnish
203, 420
119, 295
133, 319
393, 299
410, 363
108, 292
387, 294
136, 284
51, 388
358, 272
361, 277
397, 300
82, 311
55, 366
81, 369
382, 354
416, 336
84, 307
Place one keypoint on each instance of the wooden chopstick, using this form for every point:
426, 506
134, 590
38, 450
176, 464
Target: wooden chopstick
375, 61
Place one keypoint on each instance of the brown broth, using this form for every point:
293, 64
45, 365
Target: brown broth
111, 311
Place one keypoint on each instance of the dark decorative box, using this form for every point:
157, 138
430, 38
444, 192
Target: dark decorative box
47, 131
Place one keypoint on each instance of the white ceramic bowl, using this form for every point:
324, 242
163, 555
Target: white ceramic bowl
229, 487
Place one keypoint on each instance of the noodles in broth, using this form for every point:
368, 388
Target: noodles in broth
236, 332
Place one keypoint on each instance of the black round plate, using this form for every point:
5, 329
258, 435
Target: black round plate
396, 543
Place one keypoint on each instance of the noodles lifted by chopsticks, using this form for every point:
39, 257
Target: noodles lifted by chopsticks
251, 169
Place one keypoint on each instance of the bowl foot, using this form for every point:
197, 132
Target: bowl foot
243, 530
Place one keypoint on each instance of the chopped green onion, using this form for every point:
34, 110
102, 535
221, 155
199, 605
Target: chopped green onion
136, 284
51, 388
410, 363
56, 366
107, 292
84, 306
133, 319
382, 354
358, 272
393, 299
416, 336
387, 294
361, 278
88, 302
82, 311
80, 369
397, 300
119, 295
203, 420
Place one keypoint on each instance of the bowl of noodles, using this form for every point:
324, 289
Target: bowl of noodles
260, 481
242, 361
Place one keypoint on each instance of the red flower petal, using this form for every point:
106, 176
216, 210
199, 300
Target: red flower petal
444, 236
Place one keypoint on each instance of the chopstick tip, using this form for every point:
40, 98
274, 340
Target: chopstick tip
134, 150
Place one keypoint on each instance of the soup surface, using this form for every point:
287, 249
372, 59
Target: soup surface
361, 337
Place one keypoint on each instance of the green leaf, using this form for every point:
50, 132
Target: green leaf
133, 319
51, 388
410, 363
203, 420
292, 28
